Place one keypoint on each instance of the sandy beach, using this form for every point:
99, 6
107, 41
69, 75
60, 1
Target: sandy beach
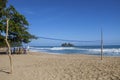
42, 66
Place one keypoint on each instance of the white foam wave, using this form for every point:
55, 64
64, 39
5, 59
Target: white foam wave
55, 48
91, 50
113, 50
63, 48
36, 48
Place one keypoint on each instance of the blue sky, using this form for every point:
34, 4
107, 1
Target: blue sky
71, 19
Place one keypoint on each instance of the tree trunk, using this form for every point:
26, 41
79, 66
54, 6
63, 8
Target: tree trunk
8, 45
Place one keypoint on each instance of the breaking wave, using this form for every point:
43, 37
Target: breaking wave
107, 51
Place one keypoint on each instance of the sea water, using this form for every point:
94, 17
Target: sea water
108, 50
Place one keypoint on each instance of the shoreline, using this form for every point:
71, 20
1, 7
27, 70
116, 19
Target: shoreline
44, 66
51, 53
71, 54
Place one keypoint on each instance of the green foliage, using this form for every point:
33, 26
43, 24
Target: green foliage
2, 6
18, 26
3, 3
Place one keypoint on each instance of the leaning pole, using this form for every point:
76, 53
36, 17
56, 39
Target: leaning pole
8, 45
101, 44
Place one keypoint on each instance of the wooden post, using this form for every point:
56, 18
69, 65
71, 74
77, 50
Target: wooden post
8, 45
101, 45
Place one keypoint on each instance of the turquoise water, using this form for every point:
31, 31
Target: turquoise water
109, 50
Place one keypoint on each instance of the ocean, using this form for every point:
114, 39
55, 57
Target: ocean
108, 50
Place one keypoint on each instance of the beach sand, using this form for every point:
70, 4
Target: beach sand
42, 66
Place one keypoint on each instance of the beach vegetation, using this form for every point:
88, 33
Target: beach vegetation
13, 29
18, 26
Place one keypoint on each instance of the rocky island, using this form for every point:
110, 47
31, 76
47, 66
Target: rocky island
67, 45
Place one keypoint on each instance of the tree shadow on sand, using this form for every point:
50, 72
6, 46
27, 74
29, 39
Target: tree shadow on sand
4, 71
2, 53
